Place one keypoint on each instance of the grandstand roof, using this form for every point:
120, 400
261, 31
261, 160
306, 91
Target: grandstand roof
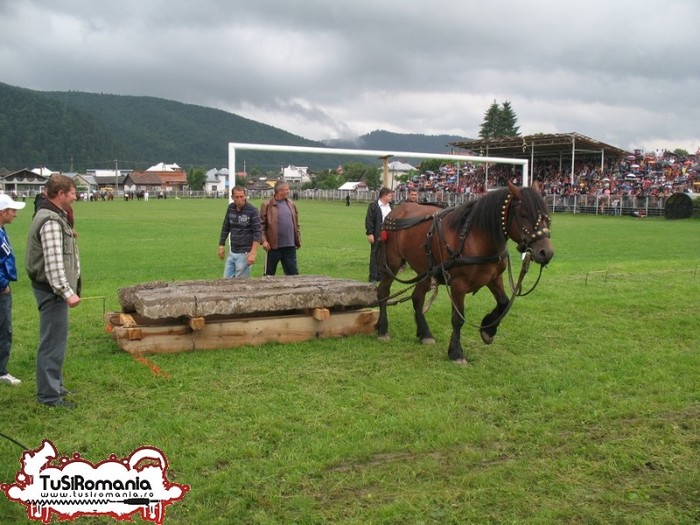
543, 145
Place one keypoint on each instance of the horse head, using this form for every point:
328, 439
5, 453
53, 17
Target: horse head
524, 219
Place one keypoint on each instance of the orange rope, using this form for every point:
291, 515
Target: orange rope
154, 367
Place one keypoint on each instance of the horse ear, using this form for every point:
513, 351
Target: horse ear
536, 185
514, 190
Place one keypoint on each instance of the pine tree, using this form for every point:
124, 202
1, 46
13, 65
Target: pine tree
499, 121
490, 123
507, 121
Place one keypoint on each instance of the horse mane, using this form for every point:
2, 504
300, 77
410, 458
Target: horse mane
485, 213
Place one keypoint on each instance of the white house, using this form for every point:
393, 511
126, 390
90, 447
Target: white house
295, 174
396, 169
217, 181
162, 166
44, 171
351, 186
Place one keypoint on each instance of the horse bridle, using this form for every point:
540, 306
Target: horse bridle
527, 237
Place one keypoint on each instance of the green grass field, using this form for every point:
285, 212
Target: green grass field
586, 409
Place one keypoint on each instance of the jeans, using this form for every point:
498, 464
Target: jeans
288, 257
236, 265
53, 340
5, 331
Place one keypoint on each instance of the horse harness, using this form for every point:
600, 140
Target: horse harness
456, 258
540, 230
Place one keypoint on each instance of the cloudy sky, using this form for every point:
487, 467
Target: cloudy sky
622, 72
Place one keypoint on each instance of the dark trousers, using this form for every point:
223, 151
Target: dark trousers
287, 256
5, 330
375, 265
53, 339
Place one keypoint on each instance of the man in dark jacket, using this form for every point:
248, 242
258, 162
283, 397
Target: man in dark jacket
242, 227
376, 212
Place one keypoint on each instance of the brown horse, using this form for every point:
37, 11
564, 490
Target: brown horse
464, 248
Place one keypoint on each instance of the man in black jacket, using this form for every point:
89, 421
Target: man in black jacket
376, 212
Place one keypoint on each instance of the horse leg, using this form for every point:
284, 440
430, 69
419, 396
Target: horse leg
418, 298
490, 322
383, 290
454, 351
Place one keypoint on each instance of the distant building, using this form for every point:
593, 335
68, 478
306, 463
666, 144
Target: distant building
109, 178
352, 186
216, 182
163, 167
143, 181
296, 175
23, 182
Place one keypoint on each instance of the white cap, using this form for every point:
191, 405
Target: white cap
7, 202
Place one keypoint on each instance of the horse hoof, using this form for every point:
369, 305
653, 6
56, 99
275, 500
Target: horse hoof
383, 338
486, 338
427, 341
460, 362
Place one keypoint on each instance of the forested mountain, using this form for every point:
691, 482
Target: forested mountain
385, 140
37, 131
75, 131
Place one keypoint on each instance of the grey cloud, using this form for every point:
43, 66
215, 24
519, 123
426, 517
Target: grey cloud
622, 72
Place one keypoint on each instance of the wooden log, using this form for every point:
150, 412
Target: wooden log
174, 338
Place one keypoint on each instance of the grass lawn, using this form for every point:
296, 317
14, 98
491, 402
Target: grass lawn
586, 409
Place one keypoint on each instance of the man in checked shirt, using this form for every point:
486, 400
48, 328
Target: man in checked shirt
53, 265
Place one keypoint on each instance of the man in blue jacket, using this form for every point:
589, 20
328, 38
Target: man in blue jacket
8, 273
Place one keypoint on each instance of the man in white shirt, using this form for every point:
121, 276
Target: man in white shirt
376, 213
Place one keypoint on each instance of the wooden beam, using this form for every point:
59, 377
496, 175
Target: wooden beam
228, 334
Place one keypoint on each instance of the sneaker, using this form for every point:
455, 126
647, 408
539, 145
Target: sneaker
10, 380
61, 403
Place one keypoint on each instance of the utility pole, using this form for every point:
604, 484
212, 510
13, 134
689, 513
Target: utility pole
116, 177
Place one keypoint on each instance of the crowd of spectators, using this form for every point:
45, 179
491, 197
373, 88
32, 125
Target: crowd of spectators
639, 175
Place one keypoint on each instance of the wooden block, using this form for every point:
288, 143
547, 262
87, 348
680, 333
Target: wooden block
126, 320
321, 314
133, 334
196, 323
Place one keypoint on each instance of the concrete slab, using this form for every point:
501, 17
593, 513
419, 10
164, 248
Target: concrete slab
241, 297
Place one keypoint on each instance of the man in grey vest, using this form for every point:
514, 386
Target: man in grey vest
53, 265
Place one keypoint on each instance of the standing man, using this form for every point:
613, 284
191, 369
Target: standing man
412, 195
376, 213
53, 265
280, 231
242, 227
8, 272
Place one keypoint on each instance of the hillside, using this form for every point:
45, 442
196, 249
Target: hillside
75, 131
385, 140
37, 131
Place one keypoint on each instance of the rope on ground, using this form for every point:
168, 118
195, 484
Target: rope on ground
150, 364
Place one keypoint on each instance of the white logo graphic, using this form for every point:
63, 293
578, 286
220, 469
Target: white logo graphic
74, 487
